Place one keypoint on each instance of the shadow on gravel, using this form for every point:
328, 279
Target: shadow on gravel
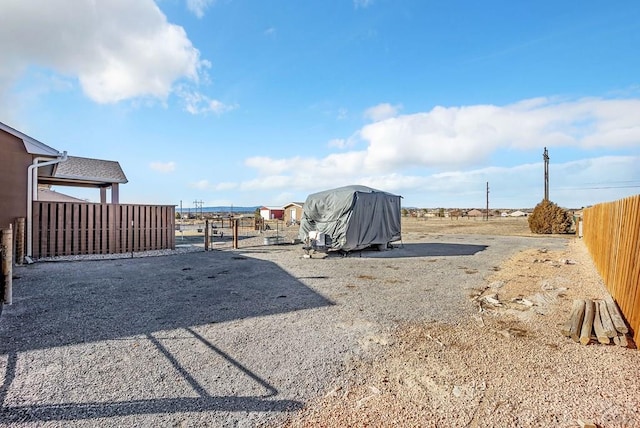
418, 250
203, 403
78, 411
67, 303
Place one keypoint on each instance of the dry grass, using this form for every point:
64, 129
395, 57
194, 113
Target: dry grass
511, 226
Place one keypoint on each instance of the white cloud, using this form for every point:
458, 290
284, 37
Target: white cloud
447, 137
339, 143
198, 103
225, 186
216, 187
271, 31
117, 49
201, 185
382, 111
362, 4
163, 167
198, 7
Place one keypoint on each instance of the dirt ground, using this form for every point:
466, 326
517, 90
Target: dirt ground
511, 226
506, 366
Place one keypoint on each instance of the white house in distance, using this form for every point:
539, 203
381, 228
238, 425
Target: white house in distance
272, 213
518, 214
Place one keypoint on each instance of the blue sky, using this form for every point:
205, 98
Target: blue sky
235, 102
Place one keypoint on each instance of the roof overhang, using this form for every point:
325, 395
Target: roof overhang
31, 145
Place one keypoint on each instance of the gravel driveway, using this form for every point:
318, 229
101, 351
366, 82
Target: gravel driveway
220, 338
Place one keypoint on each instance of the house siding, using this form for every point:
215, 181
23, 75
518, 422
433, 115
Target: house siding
14, 164
292, 213
271, 213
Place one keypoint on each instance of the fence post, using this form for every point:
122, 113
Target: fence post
235, 232
6, 251
206, 235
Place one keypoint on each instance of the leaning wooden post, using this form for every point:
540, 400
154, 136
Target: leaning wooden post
616, 316
607, 323
206, 235
6, 249
601, 335
235, 233
587, 323
573, 326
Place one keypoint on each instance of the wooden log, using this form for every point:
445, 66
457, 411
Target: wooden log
572, 327
616, 316
621, 340
607, 324
597, 326
587, 322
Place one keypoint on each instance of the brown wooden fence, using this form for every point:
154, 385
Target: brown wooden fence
612, 235
69, 228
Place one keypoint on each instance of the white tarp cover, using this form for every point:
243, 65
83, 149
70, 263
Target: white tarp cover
352, 217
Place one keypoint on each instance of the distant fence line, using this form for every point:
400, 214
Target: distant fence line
72, 228
612, 235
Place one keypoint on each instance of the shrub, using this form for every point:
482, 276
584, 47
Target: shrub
547, 217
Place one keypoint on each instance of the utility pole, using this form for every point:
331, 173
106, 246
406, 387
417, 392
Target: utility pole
545, 156
198, 204
487, 201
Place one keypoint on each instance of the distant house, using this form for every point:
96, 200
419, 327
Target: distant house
272, 213
46, 194
475, 213
293, 212
518, 214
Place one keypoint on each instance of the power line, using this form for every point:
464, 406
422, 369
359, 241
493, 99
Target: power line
613, 182
598, 188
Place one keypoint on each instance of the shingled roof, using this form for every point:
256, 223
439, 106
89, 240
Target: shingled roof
89, 171
45, 194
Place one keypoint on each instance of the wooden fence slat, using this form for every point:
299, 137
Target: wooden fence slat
45, 232
144, 230
75, 229
104, 249
67, 229
634, 273
113, 221
36, 230
82, 229
91, 213
59, 239
153, 226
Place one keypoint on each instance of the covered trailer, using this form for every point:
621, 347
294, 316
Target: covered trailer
351, 218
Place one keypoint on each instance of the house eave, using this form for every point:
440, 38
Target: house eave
31, 145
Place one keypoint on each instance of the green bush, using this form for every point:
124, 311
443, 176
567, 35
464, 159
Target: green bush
547, 217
